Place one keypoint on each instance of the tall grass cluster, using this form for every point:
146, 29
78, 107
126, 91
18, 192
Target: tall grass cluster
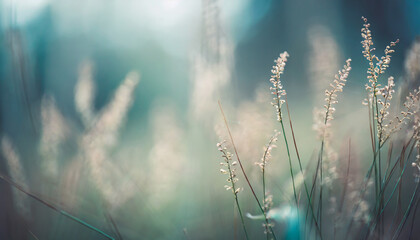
327, 203
88, 176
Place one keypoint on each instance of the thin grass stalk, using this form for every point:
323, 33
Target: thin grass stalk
51, 206
227, 156
266, 152
379, 144
361, 195
399, 179
313, 191
394, 219
375, 152
290, 164
312, 195
372, 134
381, 209
375, 70
241, 215
402, 155
30, 231
264, 160
263, 179
243, 170
331, 94
235, 223
379, 164
320, 186
301, 169
343, 194
388, 164
33, 235
278, 70
321, 152
309, 202
406, 214
399, 201
287, 148
346, 179
414, 219
113, 224
373, 128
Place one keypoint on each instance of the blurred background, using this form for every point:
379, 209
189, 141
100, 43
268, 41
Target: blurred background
108, 109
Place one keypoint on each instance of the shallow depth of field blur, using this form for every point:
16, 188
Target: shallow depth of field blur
109, 112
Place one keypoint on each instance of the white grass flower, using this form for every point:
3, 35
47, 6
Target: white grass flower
229, 168
411, 108
376, 66
267, 150
385, 129
335, 87
277, 88
322, 119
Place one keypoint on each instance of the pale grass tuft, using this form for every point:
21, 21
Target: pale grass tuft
85, 93
321, 128
102, 137
17, 174
54, 131
323, 58
249, 121
167, 155
113, 115
324, 132
288, 186
412, 62
212, 64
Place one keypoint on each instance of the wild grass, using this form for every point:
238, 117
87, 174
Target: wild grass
394, 136
324, 196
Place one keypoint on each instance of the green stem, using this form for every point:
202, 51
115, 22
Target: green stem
242, 217
301, 170
84, 223
290, 164
234, 190
265, 210
381, 208
406, 214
